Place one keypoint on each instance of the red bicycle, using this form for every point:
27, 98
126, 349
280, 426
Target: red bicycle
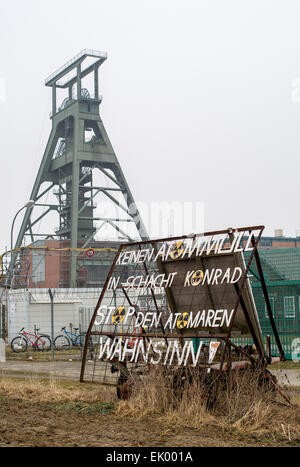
21, 342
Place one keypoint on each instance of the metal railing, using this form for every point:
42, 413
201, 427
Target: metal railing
87, 52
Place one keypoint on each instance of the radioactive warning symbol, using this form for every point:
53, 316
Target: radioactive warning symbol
177, 249
118, 315
182, 320
197, 277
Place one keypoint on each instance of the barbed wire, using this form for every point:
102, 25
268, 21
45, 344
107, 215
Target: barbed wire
50, 249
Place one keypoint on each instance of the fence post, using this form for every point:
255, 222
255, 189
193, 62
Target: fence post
3, 321
52, 321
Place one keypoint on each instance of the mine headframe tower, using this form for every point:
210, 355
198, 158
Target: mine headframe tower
78, 146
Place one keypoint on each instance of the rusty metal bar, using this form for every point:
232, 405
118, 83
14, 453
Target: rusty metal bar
204, 234
154, 298
268, 339
131, 304
269, 308
85, 349
167, 336
248, 319
254, 244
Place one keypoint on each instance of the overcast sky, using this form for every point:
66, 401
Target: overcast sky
201, 100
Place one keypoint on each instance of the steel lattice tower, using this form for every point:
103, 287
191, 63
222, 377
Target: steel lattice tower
71, 159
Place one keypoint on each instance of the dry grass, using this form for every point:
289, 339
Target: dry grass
52, 390
42, 356
242, 408
154, 396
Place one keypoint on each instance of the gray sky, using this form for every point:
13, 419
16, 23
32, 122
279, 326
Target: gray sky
200, 100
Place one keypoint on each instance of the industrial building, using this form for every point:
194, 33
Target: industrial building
78, 154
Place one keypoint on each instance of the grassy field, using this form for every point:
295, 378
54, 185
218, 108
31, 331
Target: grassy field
287, 365
42, 356
50, 412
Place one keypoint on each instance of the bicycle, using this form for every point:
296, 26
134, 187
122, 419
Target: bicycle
68, 339
39, 342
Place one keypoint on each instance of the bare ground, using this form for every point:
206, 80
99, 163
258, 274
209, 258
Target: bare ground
27, 424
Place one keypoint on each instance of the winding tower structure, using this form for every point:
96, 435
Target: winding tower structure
77, 148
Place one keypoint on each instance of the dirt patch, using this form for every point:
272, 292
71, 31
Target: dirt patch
27, 424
